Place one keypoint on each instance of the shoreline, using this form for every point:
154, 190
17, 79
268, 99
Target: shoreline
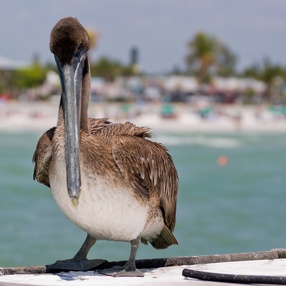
39, 116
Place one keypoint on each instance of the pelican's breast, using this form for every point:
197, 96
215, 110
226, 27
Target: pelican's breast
107, 209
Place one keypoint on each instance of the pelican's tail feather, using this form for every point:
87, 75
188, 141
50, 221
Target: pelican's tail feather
164, 240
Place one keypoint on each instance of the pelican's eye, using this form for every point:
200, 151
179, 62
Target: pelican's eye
78, 52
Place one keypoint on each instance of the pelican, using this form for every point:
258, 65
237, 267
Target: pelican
108, 179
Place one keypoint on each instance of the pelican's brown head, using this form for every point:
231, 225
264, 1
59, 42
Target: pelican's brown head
68, 39
69, 43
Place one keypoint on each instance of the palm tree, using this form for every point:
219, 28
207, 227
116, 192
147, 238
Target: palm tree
207, 54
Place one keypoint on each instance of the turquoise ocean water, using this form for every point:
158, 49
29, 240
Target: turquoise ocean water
236, 208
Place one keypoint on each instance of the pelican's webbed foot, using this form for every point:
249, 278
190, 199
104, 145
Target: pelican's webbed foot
129, 269
79, 262
125, 272
117, 271
76, 264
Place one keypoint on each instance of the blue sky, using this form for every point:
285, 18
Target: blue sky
253, 29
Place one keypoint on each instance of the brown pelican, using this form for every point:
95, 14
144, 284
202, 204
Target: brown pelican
108, 179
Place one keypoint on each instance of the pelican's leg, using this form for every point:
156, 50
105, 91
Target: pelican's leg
129, 269
79, 261
86, 246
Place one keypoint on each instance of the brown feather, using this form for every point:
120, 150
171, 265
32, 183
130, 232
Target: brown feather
43, 153
42, 157
149, 168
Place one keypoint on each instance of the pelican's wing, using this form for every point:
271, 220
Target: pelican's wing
42, 157
97, 124
43, 153
149, 168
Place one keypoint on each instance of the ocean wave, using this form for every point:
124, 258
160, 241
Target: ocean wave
214, 142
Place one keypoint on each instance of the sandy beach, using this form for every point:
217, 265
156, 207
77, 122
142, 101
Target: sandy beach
40, 116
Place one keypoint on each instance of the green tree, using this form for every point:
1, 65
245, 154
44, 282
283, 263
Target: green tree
265, 71
271, 74
271, 71
29, 77
207, 55
225, 60
109, 69
252, 71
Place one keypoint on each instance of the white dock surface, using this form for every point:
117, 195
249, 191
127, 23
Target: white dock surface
275, 267
158, 276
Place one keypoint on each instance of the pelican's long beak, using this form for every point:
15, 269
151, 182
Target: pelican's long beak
71, 81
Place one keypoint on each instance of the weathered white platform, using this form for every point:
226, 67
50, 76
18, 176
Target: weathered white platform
158, 276
244, 266
254, 271
276, 267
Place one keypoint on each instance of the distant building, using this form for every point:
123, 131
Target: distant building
238, 84
134, 53
134, 59
9, 64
